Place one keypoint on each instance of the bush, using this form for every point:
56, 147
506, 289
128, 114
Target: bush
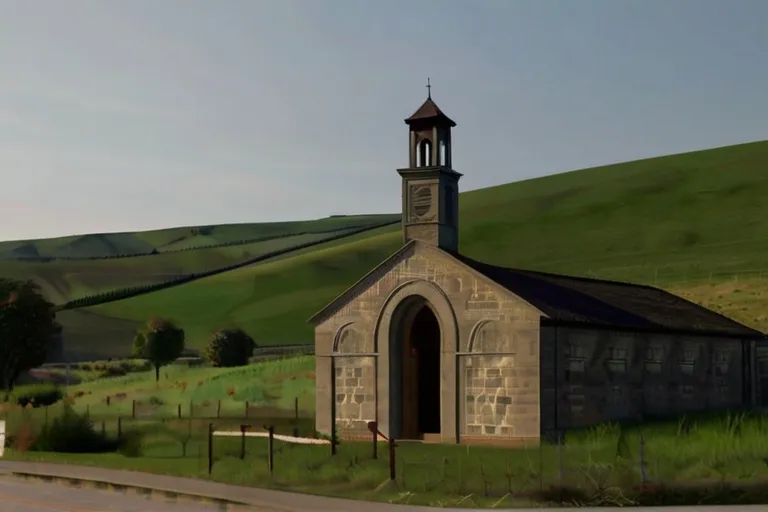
230, 347
73, 433
135, 365
113, 371
38, 395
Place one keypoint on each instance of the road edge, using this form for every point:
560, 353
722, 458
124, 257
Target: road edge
142, 490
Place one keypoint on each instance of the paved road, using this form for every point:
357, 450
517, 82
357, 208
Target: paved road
17, 495
35, 496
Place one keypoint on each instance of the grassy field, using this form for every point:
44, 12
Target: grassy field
101, 245
65, 280
224, 392
687, 222
701, 461
684, 222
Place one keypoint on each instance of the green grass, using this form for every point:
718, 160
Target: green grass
64, 280
682, 222
688, 217
713, 460
271, 385
101, 245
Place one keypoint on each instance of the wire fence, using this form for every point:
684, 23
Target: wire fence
672, 276
724, 461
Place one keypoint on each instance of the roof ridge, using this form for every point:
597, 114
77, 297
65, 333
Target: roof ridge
567, 276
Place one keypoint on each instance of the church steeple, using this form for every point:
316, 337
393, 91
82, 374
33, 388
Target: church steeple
430, 185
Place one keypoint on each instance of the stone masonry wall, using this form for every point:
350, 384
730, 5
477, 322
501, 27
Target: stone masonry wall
354, 381
475, 301
355, 394
609, 375
501, 388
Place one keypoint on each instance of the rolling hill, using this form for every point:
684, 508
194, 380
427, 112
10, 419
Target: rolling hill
687, 222
82, 273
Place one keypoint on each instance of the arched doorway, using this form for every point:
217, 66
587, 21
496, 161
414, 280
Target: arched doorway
416, 371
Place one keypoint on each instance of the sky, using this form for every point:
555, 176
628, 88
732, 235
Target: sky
129, 115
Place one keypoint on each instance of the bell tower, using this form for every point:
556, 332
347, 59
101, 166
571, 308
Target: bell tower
430, 185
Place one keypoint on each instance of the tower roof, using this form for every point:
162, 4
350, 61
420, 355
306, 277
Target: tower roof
429, 111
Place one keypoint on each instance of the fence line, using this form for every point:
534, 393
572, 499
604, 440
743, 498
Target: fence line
657, 276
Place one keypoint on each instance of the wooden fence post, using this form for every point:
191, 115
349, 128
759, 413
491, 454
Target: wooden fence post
243, 430
178, 411
133, 409
246, 409
218, 409
271, 448
119, 427
210, 448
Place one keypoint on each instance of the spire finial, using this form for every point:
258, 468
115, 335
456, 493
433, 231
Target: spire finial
429, 90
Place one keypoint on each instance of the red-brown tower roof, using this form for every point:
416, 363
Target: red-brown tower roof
429, 111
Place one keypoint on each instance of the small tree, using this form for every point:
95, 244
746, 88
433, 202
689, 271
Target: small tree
160, 342
28, 329
230, 347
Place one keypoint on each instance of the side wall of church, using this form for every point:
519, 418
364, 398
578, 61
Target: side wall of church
589, 376
496, 357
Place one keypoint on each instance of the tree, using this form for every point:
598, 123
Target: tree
160, 342
230, 347
28, 329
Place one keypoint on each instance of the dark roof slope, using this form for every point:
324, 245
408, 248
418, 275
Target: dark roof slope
594, 301
429, 110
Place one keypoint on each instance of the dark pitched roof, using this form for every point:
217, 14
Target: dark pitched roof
609, 303
429, 110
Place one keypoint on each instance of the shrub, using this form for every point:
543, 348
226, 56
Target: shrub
131, 366
230, 347
24, 438
73, 433
131, 444
38, 395
113, 371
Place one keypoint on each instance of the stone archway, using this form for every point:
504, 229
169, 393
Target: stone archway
417, 309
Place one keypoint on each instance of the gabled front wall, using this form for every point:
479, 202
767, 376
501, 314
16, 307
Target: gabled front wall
591, 375
490, 361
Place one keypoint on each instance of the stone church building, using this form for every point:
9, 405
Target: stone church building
436, 346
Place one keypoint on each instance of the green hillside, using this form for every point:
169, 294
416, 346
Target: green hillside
63, 280
105, 245
675, 221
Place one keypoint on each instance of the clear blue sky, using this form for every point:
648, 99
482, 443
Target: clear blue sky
125, 115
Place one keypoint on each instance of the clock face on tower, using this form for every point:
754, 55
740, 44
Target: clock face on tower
421, 201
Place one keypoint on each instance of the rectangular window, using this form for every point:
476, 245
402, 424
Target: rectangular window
576, 351
654, 359
720, 362
617, 362
616, 395
576, 360
687, 364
